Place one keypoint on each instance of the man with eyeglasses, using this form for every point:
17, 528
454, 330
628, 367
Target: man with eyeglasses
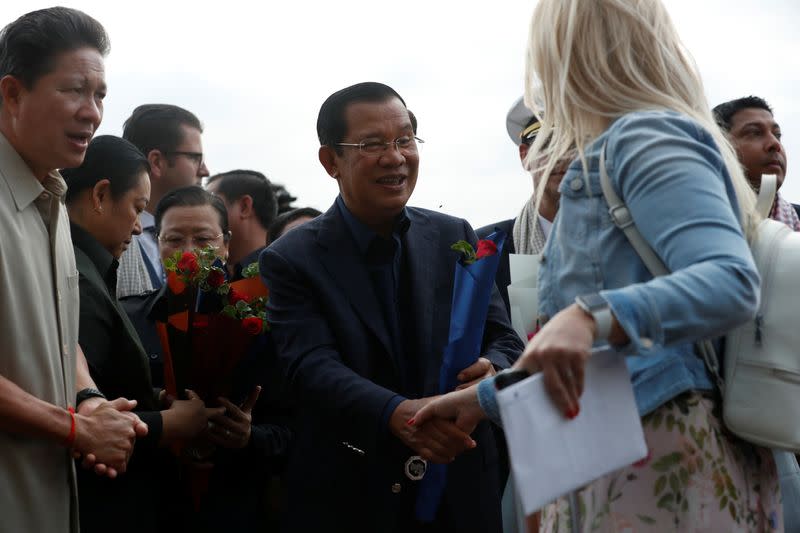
360, 309
171, 139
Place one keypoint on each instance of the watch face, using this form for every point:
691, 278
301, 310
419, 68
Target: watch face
593, 301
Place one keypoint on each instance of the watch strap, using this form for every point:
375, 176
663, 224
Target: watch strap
598, 307
85, 394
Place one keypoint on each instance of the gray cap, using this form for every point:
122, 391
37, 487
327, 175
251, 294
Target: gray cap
516, 120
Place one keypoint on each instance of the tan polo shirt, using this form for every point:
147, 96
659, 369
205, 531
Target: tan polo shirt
39, 312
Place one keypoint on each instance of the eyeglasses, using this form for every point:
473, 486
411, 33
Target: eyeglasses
196, 157
373, 147
180, 241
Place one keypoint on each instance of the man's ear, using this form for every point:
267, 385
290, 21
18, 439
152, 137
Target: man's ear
156, 160
328, 157
11, 90
245, 206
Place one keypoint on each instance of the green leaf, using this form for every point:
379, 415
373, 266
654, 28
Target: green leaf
661, 483
646, 519
673, 483
665, 502
732, 510
657, 418
251, 270
667, 461
684, 476
723, 502
467, 251
681, 427
670, 421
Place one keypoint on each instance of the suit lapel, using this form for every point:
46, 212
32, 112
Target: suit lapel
421, 243
341, 258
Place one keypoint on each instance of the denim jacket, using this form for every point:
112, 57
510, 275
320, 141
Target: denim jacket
669, 172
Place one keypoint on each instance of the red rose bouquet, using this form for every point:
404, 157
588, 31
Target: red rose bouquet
211, 323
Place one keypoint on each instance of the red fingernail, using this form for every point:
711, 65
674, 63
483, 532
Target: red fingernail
410, 422
571, 414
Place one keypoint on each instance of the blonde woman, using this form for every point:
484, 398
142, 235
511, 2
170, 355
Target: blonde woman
614, 73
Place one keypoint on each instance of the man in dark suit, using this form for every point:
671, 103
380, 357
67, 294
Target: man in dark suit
360, 309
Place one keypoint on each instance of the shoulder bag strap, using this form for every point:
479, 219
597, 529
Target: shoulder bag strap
766, 194
623, 220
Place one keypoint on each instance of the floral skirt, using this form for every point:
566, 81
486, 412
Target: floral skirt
697, 477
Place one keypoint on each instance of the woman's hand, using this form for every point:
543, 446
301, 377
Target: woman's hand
560, 351
231, 429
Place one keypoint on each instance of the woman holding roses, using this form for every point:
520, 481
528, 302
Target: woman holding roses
250, 438
620, 87
105, 196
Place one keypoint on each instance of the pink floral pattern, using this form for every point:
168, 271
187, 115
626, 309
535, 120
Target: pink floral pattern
697, 477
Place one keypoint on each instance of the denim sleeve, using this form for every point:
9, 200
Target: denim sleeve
487, 398
672, 177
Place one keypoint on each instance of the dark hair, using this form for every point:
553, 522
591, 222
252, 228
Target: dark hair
724, 112
107, 157
192, 196
284, 198
276, 229
236, 183
413, 118
30, 44
331, 124
158, 127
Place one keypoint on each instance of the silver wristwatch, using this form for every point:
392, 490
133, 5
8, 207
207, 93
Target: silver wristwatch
597, 306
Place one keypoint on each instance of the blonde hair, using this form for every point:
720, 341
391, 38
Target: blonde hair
592, 61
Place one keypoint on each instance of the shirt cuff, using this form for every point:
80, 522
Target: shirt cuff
487, 398
391, 405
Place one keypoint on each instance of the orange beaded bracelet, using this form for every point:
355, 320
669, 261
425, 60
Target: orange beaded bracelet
70, 440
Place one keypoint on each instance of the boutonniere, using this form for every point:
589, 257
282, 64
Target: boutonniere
469, 255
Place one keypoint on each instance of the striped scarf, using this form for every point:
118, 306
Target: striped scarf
529, 237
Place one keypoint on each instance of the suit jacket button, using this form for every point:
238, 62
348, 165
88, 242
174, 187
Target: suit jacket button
396, 488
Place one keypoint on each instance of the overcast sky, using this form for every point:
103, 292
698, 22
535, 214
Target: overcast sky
256, 73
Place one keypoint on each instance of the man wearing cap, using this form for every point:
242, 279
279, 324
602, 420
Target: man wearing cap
359, 307
529, 230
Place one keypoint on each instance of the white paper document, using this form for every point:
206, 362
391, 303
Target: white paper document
551, 455
523, 293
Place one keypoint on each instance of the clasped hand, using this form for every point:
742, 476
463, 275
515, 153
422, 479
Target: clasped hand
105, 433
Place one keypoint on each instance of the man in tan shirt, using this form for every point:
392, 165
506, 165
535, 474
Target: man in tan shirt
52, 84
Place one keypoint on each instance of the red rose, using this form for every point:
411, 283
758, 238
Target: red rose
485, 249
235, 296
188, 263
253, 325
216, 278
